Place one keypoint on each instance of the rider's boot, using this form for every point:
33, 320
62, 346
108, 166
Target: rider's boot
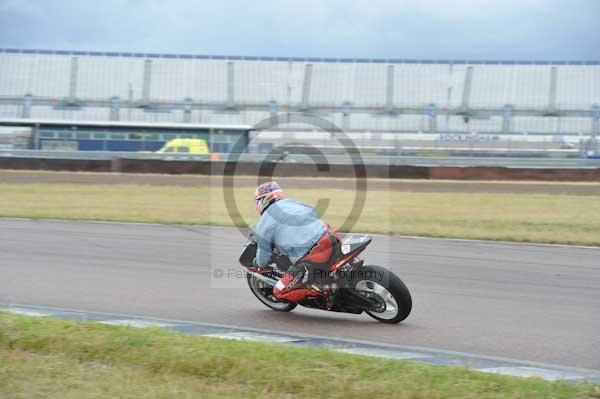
290, 288
329, 291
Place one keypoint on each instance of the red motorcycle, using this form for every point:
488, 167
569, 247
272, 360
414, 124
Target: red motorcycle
347, 285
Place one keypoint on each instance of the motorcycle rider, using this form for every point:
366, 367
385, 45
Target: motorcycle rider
295, 230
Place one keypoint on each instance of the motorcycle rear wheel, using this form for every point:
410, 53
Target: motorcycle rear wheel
264, 293
382, 283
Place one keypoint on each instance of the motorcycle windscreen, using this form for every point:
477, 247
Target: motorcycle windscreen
248, 255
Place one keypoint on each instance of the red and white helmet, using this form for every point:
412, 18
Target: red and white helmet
265, 194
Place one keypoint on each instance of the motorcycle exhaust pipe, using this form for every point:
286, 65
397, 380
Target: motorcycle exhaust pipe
267, 280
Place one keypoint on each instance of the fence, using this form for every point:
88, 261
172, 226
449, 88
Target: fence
355, 94
303, 159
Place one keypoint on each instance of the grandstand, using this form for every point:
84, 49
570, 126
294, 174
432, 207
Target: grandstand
439, 98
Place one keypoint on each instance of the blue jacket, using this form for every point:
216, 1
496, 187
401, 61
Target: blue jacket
291, 227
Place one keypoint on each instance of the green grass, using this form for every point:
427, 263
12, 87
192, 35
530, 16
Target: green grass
514, 217
49, 358
28, 375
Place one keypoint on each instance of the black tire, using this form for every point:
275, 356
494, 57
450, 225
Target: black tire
378, 275
264, 295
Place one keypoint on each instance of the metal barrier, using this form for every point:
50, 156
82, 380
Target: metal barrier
535, 163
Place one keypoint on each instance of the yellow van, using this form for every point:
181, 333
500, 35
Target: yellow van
185, 146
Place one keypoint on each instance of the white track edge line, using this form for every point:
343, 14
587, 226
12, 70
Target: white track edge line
521, 362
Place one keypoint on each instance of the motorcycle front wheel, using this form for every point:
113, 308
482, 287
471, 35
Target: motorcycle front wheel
385, 287
264, 293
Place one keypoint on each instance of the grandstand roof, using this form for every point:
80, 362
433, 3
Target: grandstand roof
150, 125
295, 59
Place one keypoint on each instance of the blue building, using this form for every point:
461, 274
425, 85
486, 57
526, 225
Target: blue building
128, 136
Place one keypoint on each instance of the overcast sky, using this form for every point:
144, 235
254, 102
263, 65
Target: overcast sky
422, 29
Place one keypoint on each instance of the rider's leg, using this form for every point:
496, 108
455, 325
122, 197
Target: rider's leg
290, 286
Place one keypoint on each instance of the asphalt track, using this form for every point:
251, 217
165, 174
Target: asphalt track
532, 302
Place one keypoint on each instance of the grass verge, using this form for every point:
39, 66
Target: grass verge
43, 357
513, 217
